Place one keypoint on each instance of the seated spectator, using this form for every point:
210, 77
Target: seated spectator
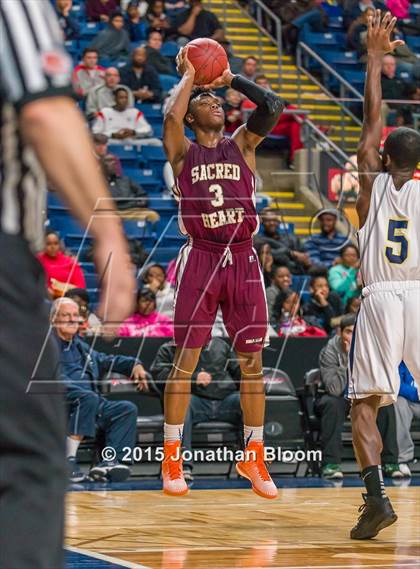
323, 305
332, 407
159, 20
69, 25
313, 17
82, 369
266, 261
89, 324
287, 317
343, 277
323, 249
250, 67
88, 74
214, 386
135, 25
142, 78
155, 59
113, 42
407, 407
232, 108
61, 271
287, 124
235, 63
355, 9
197, 22
123, 124
281, 281
392, 87
286, 248
353, 305
100, 10
103, 95
100, 144
155, 280
357, 33
147, 321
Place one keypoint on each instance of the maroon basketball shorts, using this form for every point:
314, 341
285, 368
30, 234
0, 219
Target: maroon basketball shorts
210, 275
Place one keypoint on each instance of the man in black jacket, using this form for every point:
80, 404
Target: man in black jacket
215, 382
126, 193
154, 58
142, 78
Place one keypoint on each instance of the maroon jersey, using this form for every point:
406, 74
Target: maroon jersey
216, 189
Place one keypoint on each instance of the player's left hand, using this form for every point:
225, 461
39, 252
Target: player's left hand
224, 80
140, 378
379, 34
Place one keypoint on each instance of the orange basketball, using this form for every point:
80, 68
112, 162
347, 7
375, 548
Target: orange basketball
209, 60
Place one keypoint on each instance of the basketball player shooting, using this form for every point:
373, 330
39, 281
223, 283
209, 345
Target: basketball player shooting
388, 324
218, 266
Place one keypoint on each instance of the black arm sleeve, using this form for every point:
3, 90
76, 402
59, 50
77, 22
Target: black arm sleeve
269, 106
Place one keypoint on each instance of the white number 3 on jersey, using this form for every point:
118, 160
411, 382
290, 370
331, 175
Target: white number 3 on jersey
218, 200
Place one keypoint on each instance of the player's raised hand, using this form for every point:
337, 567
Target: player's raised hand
379, 34
183, 64
224, 80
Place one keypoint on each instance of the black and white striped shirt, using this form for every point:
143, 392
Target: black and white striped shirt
33, 65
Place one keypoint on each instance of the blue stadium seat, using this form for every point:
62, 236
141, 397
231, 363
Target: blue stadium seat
61, 220
88, 267
300, 282
145, 178
343, 58
93, 295
92, 280
72, 46
414, 9
127, 153
164, 254
335, 23
355, 78
169, 49
332, 10
262, 201
413, 42
168, 81
318, 40
150, 110
77, 240
139, 229
54, 199
89, 30
173, 241
157, 130
171, 228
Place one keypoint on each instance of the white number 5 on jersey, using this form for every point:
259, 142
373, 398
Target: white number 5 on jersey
218, 200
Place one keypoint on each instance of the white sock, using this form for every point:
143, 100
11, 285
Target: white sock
72, 446
172, 433
253, 434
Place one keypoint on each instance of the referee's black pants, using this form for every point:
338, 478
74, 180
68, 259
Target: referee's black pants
32, 418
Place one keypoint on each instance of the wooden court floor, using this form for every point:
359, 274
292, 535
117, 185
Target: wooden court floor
306, 528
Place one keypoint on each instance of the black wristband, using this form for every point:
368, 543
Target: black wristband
254, 92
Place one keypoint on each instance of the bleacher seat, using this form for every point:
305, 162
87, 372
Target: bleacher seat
317, 40
414, 10
145, 178
355, 78
343, 59
169, 49
164, 254
168, 81
300, 283
89, 30
87, 267
92, 280
413, 43
127, 153
150, 110
139, 229
54, 199
77, 241
61, 220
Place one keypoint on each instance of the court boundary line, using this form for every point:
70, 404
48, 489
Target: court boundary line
102, 557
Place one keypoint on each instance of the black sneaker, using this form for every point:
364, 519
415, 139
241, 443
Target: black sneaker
110, 472
376, 514
75, 474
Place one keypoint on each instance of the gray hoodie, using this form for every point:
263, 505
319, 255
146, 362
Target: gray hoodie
333, 365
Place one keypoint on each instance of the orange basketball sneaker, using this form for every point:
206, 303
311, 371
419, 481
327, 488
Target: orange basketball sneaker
254, 468
173, 478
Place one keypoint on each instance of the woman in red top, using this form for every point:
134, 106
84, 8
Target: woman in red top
62, 272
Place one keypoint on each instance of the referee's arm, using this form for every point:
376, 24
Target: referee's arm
36, 79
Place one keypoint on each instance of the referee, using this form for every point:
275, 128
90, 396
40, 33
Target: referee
42, 135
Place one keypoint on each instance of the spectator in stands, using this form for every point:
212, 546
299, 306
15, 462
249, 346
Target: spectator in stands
142, 78
344, 277
392, 87
399, 8
69, 25
323, 249
123, 124
159, 20
113, 42
312, 16
357, 33
103, 95
332, 407
135, 25
232, 108
323, 304
235, 63
147, 321
287, 317
81, 370
90, 324
215, 388
100, 144
61, 271
155, 59
197, 22
353, 305
355, 8
100, 10
88, 74
155, 280
281, 281
250, 67
407, 407
287, 124
266, 261
126, 193
286, 248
